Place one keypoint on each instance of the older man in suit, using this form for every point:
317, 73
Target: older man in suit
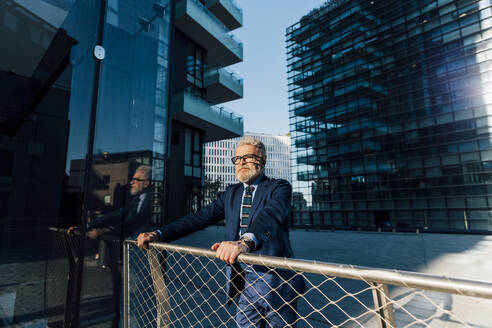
256, 213
131, 219
124, 222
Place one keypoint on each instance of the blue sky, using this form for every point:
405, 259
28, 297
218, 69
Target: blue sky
265, 106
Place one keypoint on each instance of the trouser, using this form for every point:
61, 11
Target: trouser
269, 300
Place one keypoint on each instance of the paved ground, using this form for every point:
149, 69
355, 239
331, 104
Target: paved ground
30, 287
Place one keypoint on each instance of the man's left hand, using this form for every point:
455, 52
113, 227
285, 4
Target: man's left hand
228, 251
95, 233
145, 238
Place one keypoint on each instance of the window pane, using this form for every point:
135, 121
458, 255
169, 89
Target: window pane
187, 150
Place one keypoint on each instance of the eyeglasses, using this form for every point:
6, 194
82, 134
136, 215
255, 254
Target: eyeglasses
248, 158
137, 179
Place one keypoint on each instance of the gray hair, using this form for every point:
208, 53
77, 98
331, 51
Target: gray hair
146, 169
250, 140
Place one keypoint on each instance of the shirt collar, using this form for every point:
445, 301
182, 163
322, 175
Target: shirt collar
254, 184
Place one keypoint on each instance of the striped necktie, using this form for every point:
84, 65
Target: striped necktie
246, 208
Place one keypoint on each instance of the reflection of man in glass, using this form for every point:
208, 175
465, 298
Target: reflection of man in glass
122, 223
131, 219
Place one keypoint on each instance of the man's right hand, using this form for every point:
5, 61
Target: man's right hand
72, 229
145, 238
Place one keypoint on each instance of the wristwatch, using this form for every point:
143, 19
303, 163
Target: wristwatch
249, 242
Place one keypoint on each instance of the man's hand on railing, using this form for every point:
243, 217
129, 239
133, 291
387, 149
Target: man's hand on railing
95, 233
228, 251
145, 238
72, 230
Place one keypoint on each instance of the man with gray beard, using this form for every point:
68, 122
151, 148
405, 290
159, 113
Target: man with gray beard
117, 225
256, 213
131, 219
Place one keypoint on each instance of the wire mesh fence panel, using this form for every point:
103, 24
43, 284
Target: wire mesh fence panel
98, 304
101, 283
182, 289
59, 269
176, 286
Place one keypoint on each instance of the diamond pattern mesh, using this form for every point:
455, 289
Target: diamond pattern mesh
169, 288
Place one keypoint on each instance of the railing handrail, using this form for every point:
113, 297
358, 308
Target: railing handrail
76, 232
226, 112
221, 110
374, 275
224, 28
238, 7
219, 68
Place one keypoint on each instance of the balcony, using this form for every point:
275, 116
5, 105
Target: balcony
198, 23
222, 85
217, 122
227, 11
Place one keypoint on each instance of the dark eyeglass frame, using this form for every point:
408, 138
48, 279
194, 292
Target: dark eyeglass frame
137, 179
239, 159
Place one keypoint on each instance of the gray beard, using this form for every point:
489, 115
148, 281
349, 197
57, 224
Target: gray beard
136, 192
248, 175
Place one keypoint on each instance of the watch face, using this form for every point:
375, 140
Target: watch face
99, 52
249, 242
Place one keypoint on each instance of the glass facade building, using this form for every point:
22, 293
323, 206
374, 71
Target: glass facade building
92, 92
390, 112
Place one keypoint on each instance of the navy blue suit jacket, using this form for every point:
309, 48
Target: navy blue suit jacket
269, 218
125, 220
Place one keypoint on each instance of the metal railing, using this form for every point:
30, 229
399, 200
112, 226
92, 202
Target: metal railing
237, 7
226, 113
101, 280
179, 286
219, 110
225, 35
225, 71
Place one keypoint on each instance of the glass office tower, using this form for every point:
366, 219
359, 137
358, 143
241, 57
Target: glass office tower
390, 105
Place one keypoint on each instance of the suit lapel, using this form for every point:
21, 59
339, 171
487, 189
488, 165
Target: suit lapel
259, 194
237, 198
132, 209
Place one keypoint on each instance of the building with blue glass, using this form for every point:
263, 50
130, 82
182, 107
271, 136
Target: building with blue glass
390, 110
91, 90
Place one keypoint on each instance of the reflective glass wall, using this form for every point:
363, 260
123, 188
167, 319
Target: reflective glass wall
390, 110
64, 107
35, 85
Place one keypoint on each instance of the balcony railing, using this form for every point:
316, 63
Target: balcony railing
222, 85
228, 11
172, 285
218, 122
227, 113
197, 22
223, 70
